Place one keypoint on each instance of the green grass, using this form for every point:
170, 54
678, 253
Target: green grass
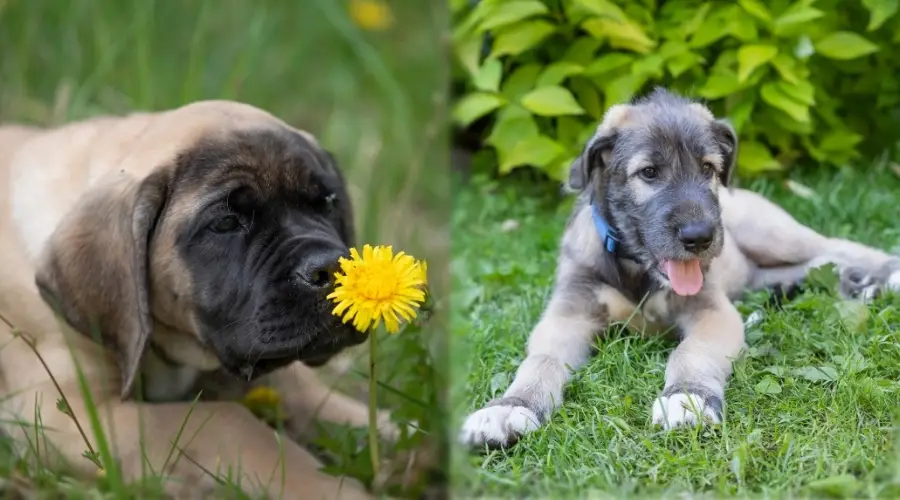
376, 100
817, 435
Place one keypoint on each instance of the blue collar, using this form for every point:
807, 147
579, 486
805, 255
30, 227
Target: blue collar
608, 235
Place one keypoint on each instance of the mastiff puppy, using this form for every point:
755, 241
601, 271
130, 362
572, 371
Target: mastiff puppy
149, 251
659, 239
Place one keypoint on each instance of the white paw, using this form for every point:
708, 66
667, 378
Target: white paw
498, 426
893, 282
682, 409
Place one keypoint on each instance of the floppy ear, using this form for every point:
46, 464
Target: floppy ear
597, 150
726, 139
94, 269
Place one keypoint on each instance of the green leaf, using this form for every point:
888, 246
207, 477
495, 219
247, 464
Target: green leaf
817, 373
801, 91
719, 85
824, 276
778, 371
844, 45
587, 96
608, 62
775, 96
743, 30
650, 66
537, 151
754, 157
621, 34
557, 72
683, 62
756, 9
551, 101
520, 81
521, 37
568, 129
488, 77
853, 314
785, 66
582, 51
510, 12
795, 16
474, 106
841, 486
468, 50
559, 170
673, 48
855, 363
514, 125
751, 57
714, 27
840, 140
691, 27
768, 385
467, 26
741, 113
457, 6
880, 11
603, 8
623, 88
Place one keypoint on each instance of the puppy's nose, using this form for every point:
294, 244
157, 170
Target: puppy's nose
317, 270
696, 236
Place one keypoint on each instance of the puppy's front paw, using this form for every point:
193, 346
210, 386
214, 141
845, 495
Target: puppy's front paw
675, 408
499, 424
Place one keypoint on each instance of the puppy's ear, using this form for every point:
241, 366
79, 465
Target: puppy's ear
596, 152
726, 139
94, 271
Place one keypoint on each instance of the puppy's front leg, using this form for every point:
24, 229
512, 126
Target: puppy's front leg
308, 399
700, 366
185, 442
559, 344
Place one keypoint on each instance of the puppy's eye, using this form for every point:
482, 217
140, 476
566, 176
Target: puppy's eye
649, 173
708, 169
328, 202
226, 224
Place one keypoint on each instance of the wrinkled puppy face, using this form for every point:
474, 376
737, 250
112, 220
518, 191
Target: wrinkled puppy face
658, 165
261, 246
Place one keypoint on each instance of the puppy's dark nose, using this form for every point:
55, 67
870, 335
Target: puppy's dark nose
696, 236
317, 270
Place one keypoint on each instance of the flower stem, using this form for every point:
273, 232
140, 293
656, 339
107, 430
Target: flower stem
373, 406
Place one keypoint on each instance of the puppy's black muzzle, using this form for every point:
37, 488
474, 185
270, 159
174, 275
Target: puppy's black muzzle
696, 236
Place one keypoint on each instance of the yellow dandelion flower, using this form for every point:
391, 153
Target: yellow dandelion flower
265, 403
371, 15
262, 397
379, 286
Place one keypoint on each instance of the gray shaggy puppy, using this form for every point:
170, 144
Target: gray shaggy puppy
657, 236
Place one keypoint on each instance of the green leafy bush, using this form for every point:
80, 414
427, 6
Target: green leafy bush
800, 80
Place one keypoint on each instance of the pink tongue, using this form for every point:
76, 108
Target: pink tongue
684, 275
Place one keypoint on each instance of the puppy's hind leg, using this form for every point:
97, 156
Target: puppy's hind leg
559, 344
771, 237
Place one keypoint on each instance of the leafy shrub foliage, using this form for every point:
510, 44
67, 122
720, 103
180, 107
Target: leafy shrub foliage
799, 80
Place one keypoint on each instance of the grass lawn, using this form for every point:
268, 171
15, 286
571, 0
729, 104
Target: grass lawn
376, 99
792, 429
